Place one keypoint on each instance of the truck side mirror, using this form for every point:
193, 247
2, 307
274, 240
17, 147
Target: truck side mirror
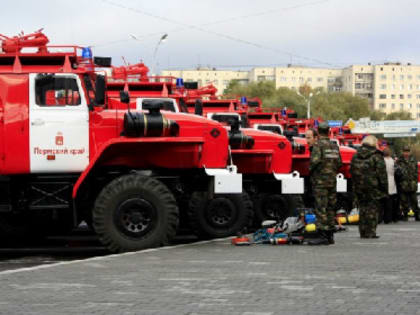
100, 87
124, 97
198, 109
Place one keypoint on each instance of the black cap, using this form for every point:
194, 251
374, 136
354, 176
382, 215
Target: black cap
323, 127
406, 148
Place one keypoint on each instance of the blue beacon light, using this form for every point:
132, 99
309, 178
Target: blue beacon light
86, 52
179, 83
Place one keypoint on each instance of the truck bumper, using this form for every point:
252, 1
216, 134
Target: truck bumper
291, 183
226, 180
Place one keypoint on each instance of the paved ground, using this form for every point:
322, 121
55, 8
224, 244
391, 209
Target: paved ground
352, 277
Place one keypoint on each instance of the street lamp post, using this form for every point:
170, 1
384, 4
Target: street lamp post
161, 40
308, 102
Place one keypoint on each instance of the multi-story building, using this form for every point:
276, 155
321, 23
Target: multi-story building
389, 87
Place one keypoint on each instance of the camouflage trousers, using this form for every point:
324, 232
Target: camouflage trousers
408, 200
368, 217
325, 207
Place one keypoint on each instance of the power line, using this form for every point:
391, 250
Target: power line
229, 37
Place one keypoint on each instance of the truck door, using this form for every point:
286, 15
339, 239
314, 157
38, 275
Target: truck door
58, 124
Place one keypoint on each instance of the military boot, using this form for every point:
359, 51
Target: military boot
330, 237
322, 239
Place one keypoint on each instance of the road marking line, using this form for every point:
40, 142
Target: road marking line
99, 258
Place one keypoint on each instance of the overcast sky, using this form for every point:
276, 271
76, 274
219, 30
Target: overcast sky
228, 34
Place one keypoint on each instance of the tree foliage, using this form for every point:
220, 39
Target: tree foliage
333, 106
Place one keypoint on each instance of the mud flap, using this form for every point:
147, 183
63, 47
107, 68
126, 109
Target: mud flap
290, 183
226, 180
341, 183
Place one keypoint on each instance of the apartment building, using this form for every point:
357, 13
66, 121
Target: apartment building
291, 77
389, 87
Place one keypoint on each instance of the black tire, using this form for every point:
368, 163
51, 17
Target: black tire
345, 201
273, 207
135, 212
222, 216
13, 230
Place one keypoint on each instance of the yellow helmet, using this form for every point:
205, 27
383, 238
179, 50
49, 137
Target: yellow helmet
310, 227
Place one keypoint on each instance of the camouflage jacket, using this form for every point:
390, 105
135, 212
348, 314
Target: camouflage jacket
407, 174
325, 163
368, 174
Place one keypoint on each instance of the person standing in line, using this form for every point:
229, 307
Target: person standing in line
370, 184
390, 204
407, 171
311, 136
324, 165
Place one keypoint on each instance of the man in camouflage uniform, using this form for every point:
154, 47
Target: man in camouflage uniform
407, 182
324, 165
370, 184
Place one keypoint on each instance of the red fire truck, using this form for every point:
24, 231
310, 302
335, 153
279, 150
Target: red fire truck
69, 155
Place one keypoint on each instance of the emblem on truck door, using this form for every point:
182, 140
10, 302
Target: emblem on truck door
59, 139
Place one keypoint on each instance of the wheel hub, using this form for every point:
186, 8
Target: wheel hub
135, 217
220, 212
274, 208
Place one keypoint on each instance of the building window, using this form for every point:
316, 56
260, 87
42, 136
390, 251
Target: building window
216, 81
418, 115
393, 77
383, 76
309, 79
382, 105
383, 86
409, 77
320, 79
410, 87
402, 87
401, 77
408, 95
418, 106
410, 106
393, 96
418, 96
382, 69
358, 86
393, 105
293, 78
382, 96
301, 79
393, 86
283, 79
401, 106
401, 96
225, 82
